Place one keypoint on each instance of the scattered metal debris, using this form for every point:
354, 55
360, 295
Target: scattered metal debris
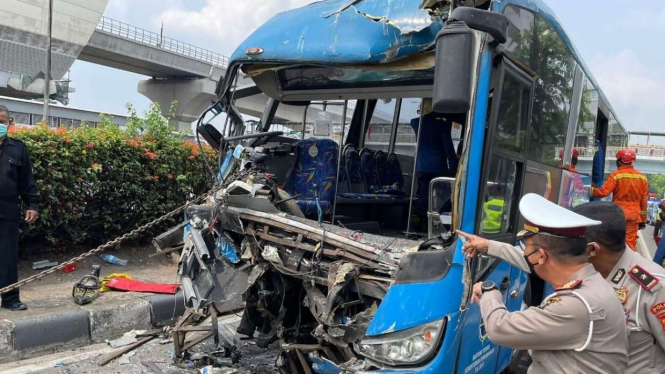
152, 366
124, 359
112, 356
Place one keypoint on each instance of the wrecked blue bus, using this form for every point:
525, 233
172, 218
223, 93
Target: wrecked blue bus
329, 230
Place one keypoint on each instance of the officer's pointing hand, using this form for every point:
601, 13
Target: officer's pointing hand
474, 244
31, 216
477, 292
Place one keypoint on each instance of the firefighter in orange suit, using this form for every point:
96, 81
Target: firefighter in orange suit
631, 189
573, 160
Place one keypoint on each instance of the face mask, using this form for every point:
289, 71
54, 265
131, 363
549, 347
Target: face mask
3, 129
532, 270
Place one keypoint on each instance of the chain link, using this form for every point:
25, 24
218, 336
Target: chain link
122, 238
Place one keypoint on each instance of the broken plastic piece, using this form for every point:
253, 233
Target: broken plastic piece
43, 264
271, 254
227, 250
124, 359
121, 342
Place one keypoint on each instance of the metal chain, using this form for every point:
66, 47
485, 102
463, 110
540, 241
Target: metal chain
120, 239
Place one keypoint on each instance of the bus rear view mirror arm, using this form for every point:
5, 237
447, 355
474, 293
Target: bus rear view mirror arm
455, 45
495, 24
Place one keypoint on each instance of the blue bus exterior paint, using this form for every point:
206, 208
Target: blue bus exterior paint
380, 31
352, 32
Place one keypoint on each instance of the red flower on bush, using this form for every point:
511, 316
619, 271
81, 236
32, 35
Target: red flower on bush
191, 157
150, 155
169, 175
67, 139
90, 146
133, 143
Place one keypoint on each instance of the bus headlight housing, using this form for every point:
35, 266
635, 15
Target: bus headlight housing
407, 347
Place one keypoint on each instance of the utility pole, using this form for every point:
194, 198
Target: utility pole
47, 70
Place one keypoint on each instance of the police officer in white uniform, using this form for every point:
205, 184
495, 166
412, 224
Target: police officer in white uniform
638, 283
580, 328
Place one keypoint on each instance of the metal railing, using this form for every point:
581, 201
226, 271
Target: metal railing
640, 150
153, 39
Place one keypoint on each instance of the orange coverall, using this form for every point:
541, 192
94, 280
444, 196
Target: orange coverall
631, 191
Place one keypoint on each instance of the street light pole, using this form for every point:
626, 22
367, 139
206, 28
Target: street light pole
47, 70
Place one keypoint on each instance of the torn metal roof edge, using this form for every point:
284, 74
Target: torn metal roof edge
380, 31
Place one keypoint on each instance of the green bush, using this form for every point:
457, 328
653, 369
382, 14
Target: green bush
98, 183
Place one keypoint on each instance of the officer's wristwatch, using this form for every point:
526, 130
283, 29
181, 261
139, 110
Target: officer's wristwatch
488, 286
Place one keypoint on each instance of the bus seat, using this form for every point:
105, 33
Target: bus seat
357, 194
354, 171
387, 182
382, 167
369, 170
315, 164
343, 180
394, 172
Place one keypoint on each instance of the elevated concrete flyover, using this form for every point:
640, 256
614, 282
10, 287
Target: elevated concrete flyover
180, 72
121, 46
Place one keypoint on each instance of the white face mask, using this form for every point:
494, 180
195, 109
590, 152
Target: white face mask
3, 129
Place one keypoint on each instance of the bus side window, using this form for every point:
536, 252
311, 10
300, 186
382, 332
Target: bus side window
500, 194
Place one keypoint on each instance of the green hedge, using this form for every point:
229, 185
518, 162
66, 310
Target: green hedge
98, 183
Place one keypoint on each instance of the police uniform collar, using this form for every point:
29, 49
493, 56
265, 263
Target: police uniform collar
583, 273
544, 217
618, 273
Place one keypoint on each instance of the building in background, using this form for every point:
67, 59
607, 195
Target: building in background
29, 113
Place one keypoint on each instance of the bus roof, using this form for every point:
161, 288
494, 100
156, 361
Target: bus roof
367, 32
343, 32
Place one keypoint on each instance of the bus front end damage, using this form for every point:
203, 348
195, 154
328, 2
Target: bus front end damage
308, 289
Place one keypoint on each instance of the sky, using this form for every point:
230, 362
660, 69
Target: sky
617, 41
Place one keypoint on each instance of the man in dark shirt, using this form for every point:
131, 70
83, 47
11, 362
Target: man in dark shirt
436, 157
16, 183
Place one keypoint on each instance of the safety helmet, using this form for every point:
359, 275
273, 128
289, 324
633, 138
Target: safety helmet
575, 153
627, 156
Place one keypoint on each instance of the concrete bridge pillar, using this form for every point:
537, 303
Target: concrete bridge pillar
193, 97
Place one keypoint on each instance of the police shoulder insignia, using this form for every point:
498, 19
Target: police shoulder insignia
659, 311
622, 294
570, 285
658, 308
644, 278
618, 276
552, 300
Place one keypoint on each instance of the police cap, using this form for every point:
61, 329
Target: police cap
544, 217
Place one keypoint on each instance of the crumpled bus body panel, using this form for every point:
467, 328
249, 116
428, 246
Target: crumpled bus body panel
380, 31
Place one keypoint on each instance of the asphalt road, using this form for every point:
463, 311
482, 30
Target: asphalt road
648, 238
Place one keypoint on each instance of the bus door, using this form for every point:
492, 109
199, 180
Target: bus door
498, 213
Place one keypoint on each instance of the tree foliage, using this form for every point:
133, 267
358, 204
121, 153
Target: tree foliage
98, 183
657, 183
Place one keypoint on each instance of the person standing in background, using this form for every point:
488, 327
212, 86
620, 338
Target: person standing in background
16, 183
630, 190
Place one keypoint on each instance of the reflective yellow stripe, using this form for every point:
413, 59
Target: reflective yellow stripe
630, 176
